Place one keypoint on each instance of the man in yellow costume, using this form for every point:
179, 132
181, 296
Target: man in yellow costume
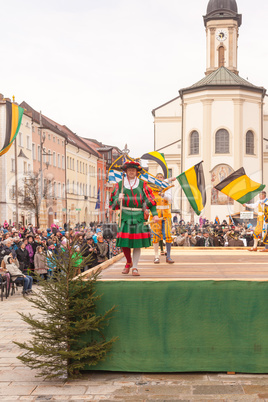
161, 230
262, 220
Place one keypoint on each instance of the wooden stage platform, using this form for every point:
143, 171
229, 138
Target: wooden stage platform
196, 264
206, 312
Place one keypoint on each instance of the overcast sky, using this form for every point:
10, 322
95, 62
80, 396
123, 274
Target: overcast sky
101, 66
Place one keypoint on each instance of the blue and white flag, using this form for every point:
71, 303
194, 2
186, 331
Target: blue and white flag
114, 176
153, 180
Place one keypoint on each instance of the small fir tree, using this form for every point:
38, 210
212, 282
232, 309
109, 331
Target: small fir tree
67, 305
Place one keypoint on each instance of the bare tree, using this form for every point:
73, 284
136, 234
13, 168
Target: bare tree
29, 194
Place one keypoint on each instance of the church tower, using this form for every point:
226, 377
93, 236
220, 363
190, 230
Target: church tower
222, 23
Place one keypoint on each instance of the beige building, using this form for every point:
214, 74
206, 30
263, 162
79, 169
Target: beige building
81, 176
221, 120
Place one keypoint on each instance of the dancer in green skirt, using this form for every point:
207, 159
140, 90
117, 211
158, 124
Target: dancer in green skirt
132, 233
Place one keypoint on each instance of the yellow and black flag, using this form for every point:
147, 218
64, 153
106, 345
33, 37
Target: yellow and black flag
14, 115
159, 158
192, 182
239, 186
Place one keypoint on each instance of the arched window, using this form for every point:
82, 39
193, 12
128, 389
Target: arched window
250, 143
222, 142
221, 56
194, 143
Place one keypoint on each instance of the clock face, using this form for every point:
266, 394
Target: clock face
221, 35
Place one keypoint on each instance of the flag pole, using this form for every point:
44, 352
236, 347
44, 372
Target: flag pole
125, 152
121, 201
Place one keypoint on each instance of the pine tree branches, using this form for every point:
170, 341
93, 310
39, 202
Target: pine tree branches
67, 332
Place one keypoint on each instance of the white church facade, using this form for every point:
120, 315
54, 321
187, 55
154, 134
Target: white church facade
221, 120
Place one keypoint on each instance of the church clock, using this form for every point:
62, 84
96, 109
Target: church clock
221, 35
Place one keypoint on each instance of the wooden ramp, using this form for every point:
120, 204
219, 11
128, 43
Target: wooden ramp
196, 264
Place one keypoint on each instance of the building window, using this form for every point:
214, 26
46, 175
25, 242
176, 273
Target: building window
58, 160
33, 129
67, 162
24, 167
250, 143
28, 142
20, 140
55, 189
29, 168
13, 192
63, 162
170, 173
58, 142
39, 153
222, 142
33, 151
54, 159
48, 136
54, 139
73, 163
12, 165
63, 190
77, 166
86, 169
80, 167
49, 157
194, 143
59, 190
89, 192
44, 155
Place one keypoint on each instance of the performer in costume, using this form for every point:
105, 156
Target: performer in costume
265, 240
262, 205
133, 233
162, 230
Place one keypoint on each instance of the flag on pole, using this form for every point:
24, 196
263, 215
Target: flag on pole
159, 158
97, 206
14, 115
239, 186
192, 182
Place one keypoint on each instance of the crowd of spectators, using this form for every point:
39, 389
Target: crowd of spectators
27, 251
212, 234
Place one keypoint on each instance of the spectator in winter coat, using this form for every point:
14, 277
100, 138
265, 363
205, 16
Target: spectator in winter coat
102, 249
15, 272
23, 257
40, 263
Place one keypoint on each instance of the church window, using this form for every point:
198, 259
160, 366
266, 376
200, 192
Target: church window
194, 143
222, 142
250, 143
221, 56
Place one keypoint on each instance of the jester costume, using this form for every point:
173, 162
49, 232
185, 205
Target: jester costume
262, 221
133, 233
162, 230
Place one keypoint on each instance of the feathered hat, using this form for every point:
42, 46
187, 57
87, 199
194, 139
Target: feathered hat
131, 164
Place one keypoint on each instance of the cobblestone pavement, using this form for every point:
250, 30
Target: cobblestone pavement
18, 382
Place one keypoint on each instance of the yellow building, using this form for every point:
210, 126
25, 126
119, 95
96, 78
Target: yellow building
81, 180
